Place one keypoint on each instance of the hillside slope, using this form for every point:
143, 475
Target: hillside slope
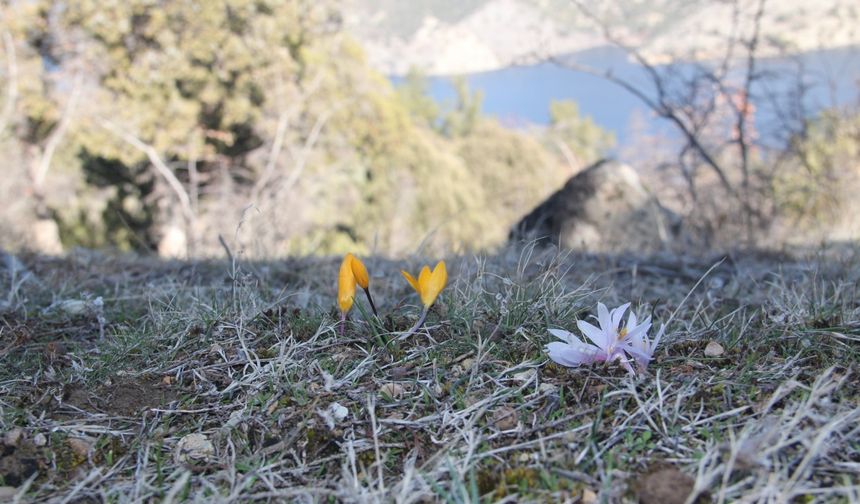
442, 37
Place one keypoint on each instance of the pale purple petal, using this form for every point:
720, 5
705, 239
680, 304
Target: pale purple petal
563, 335
572, 356
638, 351
617, 315
597, 336
603, 317
626, 365
637, 332
631, 320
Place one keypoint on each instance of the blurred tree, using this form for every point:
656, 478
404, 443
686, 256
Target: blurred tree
414, 93
254, 119
579, 139
820, 183
467, 109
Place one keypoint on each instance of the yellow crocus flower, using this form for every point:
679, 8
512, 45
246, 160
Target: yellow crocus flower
359, 272
429, 283
346, 285
428, 286
352, 273
362, 279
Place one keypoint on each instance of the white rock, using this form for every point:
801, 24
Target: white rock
40, 439
714, 349
194, 448
12, 437
72, 306
548, 388
333, 415
338, 412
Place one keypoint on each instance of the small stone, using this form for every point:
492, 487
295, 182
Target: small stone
194, 448
505, 418
467, 364
13, 437
393, 391
7, 493
40, 439
333, 415
588, 496
72, 307
714, 349
338, 411
547, 388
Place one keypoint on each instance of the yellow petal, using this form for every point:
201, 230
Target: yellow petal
433, 284
345, 285
360, 272
423, 277
424, 281
411, 279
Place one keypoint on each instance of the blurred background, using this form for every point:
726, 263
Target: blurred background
392, 127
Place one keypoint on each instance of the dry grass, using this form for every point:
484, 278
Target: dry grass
108, 364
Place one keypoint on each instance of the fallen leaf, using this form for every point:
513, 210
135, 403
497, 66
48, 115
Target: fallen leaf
524, 376
505, 418
392, 391
80, 446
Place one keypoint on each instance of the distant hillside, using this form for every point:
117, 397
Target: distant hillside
443, 37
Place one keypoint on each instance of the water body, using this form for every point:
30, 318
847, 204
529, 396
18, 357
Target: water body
520, 96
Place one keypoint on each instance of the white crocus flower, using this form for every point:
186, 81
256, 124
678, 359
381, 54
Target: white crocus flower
637, 343
609, 341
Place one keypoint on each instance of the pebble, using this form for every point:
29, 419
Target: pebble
194, 448
714, 349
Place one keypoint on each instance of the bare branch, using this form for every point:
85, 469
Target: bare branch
157, 163
744, 111
280, 132
56, 136
659, 104
659, 108
302, 159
